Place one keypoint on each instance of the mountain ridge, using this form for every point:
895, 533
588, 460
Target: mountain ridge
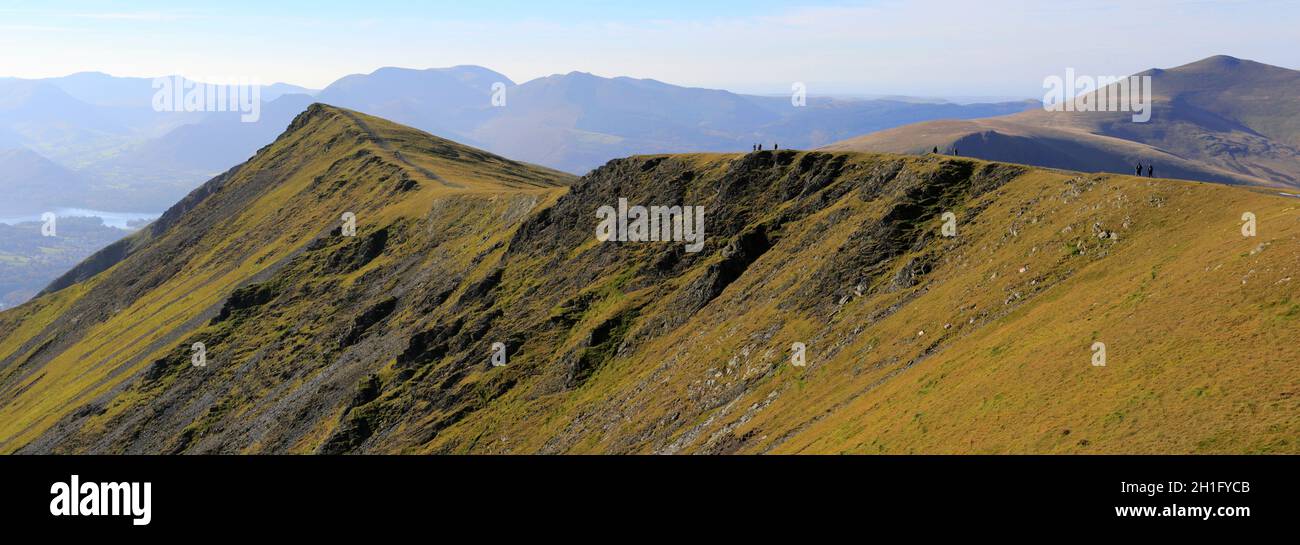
158, 255
317, 342
124, 157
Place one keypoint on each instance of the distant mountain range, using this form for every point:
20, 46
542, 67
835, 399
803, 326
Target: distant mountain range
27, 179
1221, 119
115, 152
578, 121
127, 157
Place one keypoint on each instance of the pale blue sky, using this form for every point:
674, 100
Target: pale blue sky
986, 47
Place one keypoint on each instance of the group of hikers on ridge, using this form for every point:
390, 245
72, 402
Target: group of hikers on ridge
759, 147
1151, 169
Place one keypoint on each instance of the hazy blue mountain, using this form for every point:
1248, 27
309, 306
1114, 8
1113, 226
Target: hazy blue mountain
136, 159
443, 101
8, 139
126, 155
829, 120
43, 117
104, 90
273, 92
578, 121
153, 174
33, 184
213, 144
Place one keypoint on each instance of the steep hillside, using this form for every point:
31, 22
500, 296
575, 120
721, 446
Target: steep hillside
915, 342
266, 217
1220, 119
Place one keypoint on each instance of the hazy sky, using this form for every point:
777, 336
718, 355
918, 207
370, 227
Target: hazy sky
966, 47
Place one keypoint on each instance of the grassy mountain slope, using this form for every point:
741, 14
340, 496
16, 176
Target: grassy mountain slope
164, 283
1220, 119
915, 342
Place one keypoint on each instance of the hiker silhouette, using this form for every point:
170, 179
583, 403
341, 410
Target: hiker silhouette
776, 146
936, 149
1151, 169
1139, 169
